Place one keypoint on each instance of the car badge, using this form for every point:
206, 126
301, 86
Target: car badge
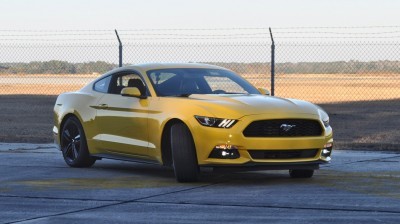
287, 127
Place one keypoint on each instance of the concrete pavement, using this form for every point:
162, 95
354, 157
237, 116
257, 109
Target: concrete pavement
36, 186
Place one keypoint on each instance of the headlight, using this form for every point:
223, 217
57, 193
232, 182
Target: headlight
215, 122
326, 122
324, 117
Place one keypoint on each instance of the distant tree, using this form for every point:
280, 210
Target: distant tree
345, 67
58, 67
94, 67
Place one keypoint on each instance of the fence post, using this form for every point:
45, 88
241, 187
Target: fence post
120, 49
272, 64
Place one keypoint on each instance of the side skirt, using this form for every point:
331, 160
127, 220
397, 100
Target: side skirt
129, 158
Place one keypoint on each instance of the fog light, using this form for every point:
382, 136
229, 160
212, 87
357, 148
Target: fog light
327, 150
225, 152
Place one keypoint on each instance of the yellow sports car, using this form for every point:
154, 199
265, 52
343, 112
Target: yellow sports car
189, 116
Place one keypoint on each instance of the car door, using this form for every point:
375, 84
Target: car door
122, 121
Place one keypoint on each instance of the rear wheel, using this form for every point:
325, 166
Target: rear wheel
183, 154
301, 173
73, 144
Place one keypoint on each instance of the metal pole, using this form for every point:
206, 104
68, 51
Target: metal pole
120, 49
272, 64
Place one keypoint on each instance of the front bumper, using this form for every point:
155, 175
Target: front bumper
251, 166
56, 137
206, 138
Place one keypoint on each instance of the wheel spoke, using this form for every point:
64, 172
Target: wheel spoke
68, 148
74, 151
73, 144
67, 135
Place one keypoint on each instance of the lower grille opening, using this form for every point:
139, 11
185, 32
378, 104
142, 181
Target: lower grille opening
283, 154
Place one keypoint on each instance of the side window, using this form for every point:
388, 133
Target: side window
120, 81
102, 85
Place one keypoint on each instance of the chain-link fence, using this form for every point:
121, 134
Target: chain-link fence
353, 73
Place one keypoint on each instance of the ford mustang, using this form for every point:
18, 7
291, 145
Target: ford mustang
189, 116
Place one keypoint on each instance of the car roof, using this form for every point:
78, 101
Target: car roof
152, 66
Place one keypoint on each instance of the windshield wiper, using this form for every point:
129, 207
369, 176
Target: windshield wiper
183, 95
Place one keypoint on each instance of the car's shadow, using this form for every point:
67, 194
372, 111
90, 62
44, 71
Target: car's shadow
207, 176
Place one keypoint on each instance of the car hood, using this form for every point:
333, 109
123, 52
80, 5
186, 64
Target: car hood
242, 105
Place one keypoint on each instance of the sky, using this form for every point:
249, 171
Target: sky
93, 21
158, 14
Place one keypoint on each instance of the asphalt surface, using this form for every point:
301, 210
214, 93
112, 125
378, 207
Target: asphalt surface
36, 186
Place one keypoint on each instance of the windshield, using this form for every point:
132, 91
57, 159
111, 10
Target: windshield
187, 81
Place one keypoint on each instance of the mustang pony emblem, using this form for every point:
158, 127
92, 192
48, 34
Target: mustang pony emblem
287, 127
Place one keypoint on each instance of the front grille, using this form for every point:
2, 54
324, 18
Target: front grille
276, 128
283, 154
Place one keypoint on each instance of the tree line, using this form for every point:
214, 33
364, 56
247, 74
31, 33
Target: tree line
335, 67
56, 67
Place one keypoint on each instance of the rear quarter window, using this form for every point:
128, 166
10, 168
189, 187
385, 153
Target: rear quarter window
102, 85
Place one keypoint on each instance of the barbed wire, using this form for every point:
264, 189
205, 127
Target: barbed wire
139, 34
207, 29
198, 38
347, 33
337, 27
195, 34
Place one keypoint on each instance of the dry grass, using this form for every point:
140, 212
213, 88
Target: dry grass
317, 88
38, 89
332, 88
43, 84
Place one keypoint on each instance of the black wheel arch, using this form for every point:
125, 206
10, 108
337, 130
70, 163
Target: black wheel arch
166, 151
65, 118
83, 158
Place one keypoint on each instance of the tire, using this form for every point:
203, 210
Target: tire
301, 173
183, 154
73, 144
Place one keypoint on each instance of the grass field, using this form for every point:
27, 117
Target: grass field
333, 88
317, 88
364, 109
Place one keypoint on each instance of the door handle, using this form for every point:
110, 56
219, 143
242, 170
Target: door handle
103, 106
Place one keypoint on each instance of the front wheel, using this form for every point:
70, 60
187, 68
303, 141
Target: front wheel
184, 154
73, 144
301, 173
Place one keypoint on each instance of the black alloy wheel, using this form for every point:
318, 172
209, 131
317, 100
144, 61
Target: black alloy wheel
73, 144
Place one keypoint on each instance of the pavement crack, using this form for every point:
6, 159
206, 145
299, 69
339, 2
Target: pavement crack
174, 192
270, 206
57, 167
65, 213
113, 204
58, 198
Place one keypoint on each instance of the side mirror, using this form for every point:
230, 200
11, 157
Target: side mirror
132, 92
264, 91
